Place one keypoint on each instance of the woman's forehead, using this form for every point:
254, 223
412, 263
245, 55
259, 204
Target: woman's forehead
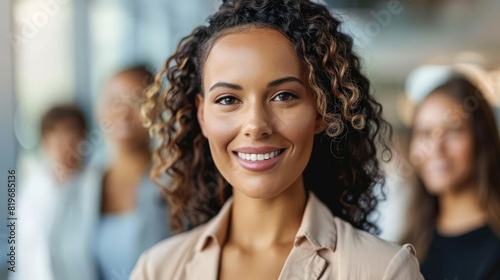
439, 108
262, 50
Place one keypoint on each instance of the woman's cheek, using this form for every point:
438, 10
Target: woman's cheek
462, 150
297, 124
220, 128
416, 156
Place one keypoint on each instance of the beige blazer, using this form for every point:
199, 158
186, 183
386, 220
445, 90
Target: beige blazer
325, 247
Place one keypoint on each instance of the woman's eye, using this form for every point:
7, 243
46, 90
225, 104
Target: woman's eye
284, 96
226, 100
455, 131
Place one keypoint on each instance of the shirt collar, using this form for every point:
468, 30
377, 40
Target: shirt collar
216, 228
317, 226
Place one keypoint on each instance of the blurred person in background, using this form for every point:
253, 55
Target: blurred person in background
118, 212
47, 187
63, 130
455, 218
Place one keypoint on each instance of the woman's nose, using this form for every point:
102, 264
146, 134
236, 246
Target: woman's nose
258, 122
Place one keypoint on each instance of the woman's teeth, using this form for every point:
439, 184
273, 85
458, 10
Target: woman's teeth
258, 157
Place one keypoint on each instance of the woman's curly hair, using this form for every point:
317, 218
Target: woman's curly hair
343, 169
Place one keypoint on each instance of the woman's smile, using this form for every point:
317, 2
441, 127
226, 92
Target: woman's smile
258, 159
259, 156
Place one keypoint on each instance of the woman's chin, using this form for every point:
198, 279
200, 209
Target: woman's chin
440, 188
258, 191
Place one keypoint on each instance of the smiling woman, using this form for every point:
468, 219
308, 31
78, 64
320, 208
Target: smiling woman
270, 114
263, 108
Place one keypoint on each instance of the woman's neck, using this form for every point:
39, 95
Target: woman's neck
257, 224
460, 212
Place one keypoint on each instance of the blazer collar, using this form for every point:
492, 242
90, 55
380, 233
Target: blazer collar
317, 231
204, 263
318, 225
216, 229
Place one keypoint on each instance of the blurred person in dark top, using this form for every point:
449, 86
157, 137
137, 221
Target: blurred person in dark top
455, 219
118, 212
47, 187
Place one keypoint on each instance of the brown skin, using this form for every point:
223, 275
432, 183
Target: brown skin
119, 111
61, 143
442, 149
268, 205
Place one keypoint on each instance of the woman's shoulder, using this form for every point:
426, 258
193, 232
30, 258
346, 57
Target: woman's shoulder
163, 259
347, 238
360, 248
347, 235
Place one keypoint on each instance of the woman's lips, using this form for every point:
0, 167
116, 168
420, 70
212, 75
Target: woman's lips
258, 162
437, 167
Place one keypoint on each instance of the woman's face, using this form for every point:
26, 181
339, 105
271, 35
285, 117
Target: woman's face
62, 143
258, 112
119, 111
442, 144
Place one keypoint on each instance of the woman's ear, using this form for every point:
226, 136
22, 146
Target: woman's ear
199, 112
319, 125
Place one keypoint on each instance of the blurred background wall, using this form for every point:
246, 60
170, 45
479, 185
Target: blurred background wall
53, 51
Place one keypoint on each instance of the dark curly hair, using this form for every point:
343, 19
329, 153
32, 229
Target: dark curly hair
343, 169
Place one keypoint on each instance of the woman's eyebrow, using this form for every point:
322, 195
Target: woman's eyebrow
284, 80
225, 85
269, 85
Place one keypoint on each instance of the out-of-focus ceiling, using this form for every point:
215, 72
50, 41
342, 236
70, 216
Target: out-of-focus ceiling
393, 40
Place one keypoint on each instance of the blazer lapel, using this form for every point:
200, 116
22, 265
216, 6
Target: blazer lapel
303, 263
204, 264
